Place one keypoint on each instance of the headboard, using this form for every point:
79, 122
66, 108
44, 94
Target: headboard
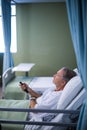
6, 77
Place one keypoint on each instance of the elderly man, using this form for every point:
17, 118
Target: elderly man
49, 98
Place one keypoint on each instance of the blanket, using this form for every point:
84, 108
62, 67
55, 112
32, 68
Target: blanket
13, 90
13, 115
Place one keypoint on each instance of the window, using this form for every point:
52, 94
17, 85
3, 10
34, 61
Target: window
13, 31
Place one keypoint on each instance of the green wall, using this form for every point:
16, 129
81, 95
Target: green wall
43, 38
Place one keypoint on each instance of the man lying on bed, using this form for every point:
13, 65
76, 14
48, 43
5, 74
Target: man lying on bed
49, 99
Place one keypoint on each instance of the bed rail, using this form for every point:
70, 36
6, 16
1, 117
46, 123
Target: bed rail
4, 121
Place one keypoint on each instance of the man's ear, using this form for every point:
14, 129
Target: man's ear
64, 82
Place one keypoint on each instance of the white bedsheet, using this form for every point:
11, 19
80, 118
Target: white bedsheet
41, 83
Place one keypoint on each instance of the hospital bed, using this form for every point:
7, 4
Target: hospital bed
10, 85
12, 90
70, 102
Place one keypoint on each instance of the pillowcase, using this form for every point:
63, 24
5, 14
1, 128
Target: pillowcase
72, 88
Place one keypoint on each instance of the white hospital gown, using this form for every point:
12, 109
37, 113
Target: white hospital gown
48, 100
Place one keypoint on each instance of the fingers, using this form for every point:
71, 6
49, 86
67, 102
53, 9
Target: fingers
23, 86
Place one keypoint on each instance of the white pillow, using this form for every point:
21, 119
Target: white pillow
76, 70
71, 89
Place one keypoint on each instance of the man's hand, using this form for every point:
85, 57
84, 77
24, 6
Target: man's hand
24, 87
32, 103
29, 90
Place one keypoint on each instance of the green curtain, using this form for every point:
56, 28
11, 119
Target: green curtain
77, 15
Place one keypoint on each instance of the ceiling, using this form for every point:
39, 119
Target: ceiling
36, 1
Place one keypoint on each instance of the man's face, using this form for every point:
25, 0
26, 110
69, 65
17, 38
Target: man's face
58, 78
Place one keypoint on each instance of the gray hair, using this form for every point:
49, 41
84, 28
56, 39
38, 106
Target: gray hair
68, 74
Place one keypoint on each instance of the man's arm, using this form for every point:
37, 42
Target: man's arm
26, 88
